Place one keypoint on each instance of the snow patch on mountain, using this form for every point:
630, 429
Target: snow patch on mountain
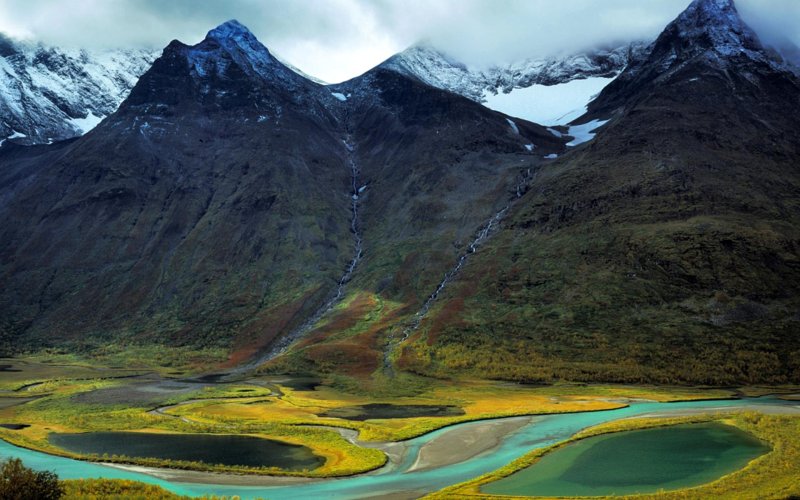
584, 132
513, 126
15, 135
49, 93
87, 123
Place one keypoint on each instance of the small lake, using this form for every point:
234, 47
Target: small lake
301, 383
642, 461
207, 448
388, 411
397, 481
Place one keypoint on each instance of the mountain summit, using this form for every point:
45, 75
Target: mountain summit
228, 201
710, 27
237, 42
228, 69
708, 38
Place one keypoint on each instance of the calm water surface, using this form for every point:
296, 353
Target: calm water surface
642, 461
543, 431
208, 448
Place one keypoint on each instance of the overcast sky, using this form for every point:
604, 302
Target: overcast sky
338, 39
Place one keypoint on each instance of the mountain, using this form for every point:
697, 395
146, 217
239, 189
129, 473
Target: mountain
384, 225
548, 90
49, 94
434, 67
212, 197
709, 36
666, 250
229, 201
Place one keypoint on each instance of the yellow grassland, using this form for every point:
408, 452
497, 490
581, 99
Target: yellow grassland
293, 416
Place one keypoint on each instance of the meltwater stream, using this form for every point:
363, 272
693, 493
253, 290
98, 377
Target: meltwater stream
356, 192
542, 431
521, 187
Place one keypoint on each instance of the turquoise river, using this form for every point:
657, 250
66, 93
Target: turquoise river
395, 479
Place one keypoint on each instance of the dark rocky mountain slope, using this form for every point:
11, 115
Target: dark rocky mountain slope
382, 225
666, 250
229, 200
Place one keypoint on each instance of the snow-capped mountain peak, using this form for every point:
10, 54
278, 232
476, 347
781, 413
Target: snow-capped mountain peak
232, 43
707, 39
434, 67
711, 29
717, 23
239, 41
231, 29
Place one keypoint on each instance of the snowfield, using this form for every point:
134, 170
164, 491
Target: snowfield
548, 105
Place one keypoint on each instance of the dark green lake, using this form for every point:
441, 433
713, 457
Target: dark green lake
643, 461
208, 448
389, 411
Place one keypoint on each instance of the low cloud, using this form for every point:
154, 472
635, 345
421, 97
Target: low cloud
338, 39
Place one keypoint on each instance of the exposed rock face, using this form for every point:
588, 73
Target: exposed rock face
214, 197
709, 36
230, 202
49, 94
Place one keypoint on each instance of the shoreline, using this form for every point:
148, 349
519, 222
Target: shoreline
463, 441
460, 445
221, 478
394, 450
500, 428
494, 430
688, 412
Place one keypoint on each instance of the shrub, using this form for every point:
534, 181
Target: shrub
18, 482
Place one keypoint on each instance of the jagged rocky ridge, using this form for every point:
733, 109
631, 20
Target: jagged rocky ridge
434, 67
709, 33
49, 94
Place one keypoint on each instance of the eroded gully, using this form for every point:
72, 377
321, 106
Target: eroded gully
357, 189
483, 234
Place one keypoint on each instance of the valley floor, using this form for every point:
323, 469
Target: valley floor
352, 431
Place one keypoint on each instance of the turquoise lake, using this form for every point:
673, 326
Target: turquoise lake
543, 431
641, 461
